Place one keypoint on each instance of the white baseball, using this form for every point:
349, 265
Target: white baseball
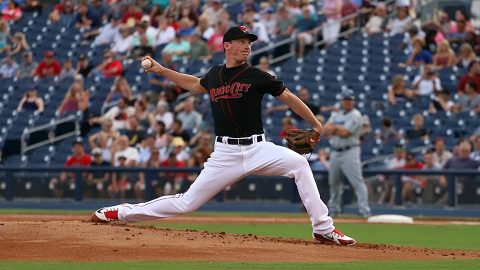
146, 64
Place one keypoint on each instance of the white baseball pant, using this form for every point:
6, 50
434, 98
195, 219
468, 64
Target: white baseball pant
228, 164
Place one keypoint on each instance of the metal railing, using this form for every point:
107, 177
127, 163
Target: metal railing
52, 138
395, 177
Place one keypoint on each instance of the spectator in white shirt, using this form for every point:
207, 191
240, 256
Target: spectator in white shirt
9, 67
427, 83
257, 28
400, 23
165, 32
107, 33
121, 149
191, 119
123, 43
118, 114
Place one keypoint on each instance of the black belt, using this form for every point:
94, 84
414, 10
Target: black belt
239, 141
341, 149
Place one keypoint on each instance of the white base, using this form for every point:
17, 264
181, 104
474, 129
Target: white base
390, 219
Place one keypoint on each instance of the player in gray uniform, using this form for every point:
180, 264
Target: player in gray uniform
343, 129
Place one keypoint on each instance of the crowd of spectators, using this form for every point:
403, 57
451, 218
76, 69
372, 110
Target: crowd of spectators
156, 130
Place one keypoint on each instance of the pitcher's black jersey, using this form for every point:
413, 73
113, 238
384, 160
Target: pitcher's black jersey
236, 97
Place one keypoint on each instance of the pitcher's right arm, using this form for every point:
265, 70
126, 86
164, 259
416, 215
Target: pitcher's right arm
185, 81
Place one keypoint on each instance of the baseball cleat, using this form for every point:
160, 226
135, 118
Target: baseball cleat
335, 237
105, 214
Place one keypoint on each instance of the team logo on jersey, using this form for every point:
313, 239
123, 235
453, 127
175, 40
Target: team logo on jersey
244, 29
234, 90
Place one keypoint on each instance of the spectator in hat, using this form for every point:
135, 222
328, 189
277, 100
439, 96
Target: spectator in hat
150, 31
27, 67
178, 48
68, 71
97, 181
110, 67
31, 101
9, 67
49, 66
83, 66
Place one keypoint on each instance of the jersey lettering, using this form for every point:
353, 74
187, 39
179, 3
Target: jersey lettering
234, 90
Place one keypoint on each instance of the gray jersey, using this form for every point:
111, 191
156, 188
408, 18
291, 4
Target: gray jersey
351, 121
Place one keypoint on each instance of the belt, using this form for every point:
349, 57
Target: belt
341, 149
240, 141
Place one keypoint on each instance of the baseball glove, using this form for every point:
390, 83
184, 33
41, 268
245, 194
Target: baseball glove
302, 141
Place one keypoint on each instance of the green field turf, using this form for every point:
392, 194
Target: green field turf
433, 236
427, 265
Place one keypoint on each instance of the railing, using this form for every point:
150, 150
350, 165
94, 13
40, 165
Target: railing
396, 177
52, 138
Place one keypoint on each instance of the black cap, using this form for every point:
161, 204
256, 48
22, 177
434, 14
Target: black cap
238, 32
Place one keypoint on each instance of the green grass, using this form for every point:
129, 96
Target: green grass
443, 264
433, 236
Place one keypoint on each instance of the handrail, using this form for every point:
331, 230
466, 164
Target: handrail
25, 148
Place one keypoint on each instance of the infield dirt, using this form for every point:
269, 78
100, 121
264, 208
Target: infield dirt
73, 238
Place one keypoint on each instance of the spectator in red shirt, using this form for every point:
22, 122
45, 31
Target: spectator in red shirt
473, 75
410, 182
110, 67
49, 66
132, 16
78, 158
173, 180
12, 12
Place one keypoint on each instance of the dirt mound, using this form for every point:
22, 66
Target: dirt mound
78, 240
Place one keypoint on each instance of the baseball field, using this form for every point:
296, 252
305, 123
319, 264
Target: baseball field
36, 239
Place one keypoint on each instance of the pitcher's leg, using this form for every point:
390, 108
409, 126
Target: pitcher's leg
352, 168
334, 181
220, 171
285, 162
